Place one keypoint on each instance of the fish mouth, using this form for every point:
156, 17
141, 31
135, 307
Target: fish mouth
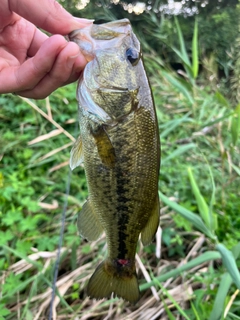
114, 89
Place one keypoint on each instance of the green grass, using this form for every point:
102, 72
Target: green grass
200, 201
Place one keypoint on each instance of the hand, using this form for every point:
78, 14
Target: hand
32, 64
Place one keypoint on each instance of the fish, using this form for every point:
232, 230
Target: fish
119, 145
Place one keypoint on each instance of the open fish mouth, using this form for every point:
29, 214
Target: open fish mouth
114, 89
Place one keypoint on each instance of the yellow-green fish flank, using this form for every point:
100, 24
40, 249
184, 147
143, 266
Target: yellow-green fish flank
119, 145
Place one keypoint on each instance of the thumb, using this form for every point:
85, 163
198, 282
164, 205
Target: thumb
48, 15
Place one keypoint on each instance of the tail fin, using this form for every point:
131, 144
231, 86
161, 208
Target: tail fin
102, 283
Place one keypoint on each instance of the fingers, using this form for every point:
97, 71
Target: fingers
67, 68
37, 77
47, 14
51, 62
37, 41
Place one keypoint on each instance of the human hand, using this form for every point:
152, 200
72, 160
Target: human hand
32, 64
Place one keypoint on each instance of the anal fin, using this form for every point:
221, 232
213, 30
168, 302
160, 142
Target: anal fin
88, 223
150, 229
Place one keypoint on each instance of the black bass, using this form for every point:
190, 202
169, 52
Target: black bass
119, 145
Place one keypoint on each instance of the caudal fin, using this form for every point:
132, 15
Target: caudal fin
103, 283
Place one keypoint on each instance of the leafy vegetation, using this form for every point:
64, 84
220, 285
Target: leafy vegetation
194, 273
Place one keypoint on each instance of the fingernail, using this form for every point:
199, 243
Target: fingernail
84, 21
71, 59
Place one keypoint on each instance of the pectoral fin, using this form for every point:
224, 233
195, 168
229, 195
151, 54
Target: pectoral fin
104, 146
150, 229
88, 223
76, 156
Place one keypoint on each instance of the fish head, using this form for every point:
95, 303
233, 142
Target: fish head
115, 73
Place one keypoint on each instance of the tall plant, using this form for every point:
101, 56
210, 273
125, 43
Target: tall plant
191, 67
235, 80
206, 223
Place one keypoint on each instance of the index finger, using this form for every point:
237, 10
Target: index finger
48, 15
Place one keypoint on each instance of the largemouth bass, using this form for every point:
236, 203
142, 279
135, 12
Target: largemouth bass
119, 144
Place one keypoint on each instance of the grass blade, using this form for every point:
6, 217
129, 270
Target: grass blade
195, 311
223, 289
230, 263
213, 217
190, 216
219, 301
35, 107
172, 124
178, 86
195, 61
220, 119
235, 168
185, 57
201, 203
203, 258
168, 311
221, 99
235, 127
230, 302
187, 66
20, 287
233, 316
178, 152
24, 257
174, 302
236, 250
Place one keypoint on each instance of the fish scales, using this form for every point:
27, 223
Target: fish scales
119, 144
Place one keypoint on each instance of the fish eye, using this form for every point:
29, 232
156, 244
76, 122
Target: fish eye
132, 56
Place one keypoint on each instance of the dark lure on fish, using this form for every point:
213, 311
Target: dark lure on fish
119, 145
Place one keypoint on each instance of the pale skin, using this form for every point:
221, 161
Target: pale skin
32, 64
